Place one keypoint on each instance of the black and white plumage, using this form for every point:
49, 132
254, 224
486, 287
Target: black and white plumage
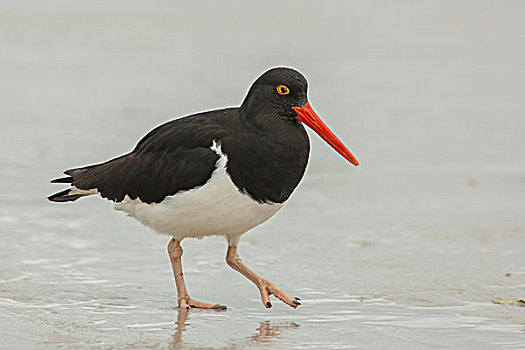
220, 172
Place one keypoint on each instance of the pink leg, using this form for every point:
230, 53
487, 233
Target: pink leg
266, 287
175, 252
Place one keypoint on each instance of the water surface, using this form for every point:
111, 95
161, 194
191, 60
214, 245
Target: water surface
405, 252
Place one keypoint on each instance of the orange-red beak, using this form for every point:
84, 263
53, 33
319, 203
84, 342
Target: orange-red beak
307, 115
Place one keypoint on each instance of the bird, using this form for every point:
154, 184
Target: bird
215, 173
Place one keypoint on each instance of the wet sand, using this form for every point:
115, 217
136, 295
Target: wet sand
405, 252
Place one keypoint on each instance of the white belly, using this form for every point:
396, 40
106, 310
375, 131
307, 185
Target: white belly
215, 208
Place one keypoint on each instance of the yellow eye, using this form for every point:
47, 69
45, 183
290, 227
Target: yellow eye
283, 90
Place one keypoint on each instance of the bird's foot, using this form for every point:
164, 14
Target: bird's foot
189, 303
267, 288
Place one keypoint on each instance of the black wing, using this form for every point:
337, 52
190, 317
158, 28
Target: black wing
173, 157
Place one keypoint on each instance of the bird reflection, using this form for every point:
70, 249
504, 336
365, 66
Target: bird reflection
264, 334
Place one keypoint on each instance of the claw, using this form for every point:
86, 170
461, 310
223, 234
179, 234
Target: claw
296, 302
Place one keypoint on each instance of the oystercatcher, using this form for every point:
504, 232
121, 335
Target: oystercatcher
220, 172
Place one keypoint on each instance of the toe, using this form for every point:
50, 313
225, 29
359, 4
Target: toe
265, 297
293, 302
183, 304
269, 288
201, 305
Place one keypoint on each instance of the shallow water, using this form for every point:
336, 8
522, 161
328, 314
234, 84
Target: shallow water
405, 252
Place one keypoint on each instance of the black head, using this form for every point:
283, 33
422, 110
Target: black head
277, 91
280, 95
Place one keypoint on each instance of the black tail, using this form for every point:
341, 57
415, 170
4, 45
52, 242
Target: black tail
86, 181
63, 180
64, 196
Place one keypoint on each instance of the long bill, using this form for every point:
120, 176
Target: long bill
307, 115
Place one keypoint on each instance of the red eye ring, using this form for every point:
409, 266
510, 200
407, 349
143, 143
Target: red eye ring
283, 90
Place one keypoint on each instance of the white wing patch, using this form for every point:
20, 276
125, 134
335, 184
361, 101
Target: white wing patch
73, 190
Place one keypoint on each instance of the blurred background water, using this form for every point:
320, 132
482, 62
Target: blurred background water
405, 252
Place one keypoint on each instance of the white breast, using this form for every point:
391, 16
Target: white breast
215, 208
